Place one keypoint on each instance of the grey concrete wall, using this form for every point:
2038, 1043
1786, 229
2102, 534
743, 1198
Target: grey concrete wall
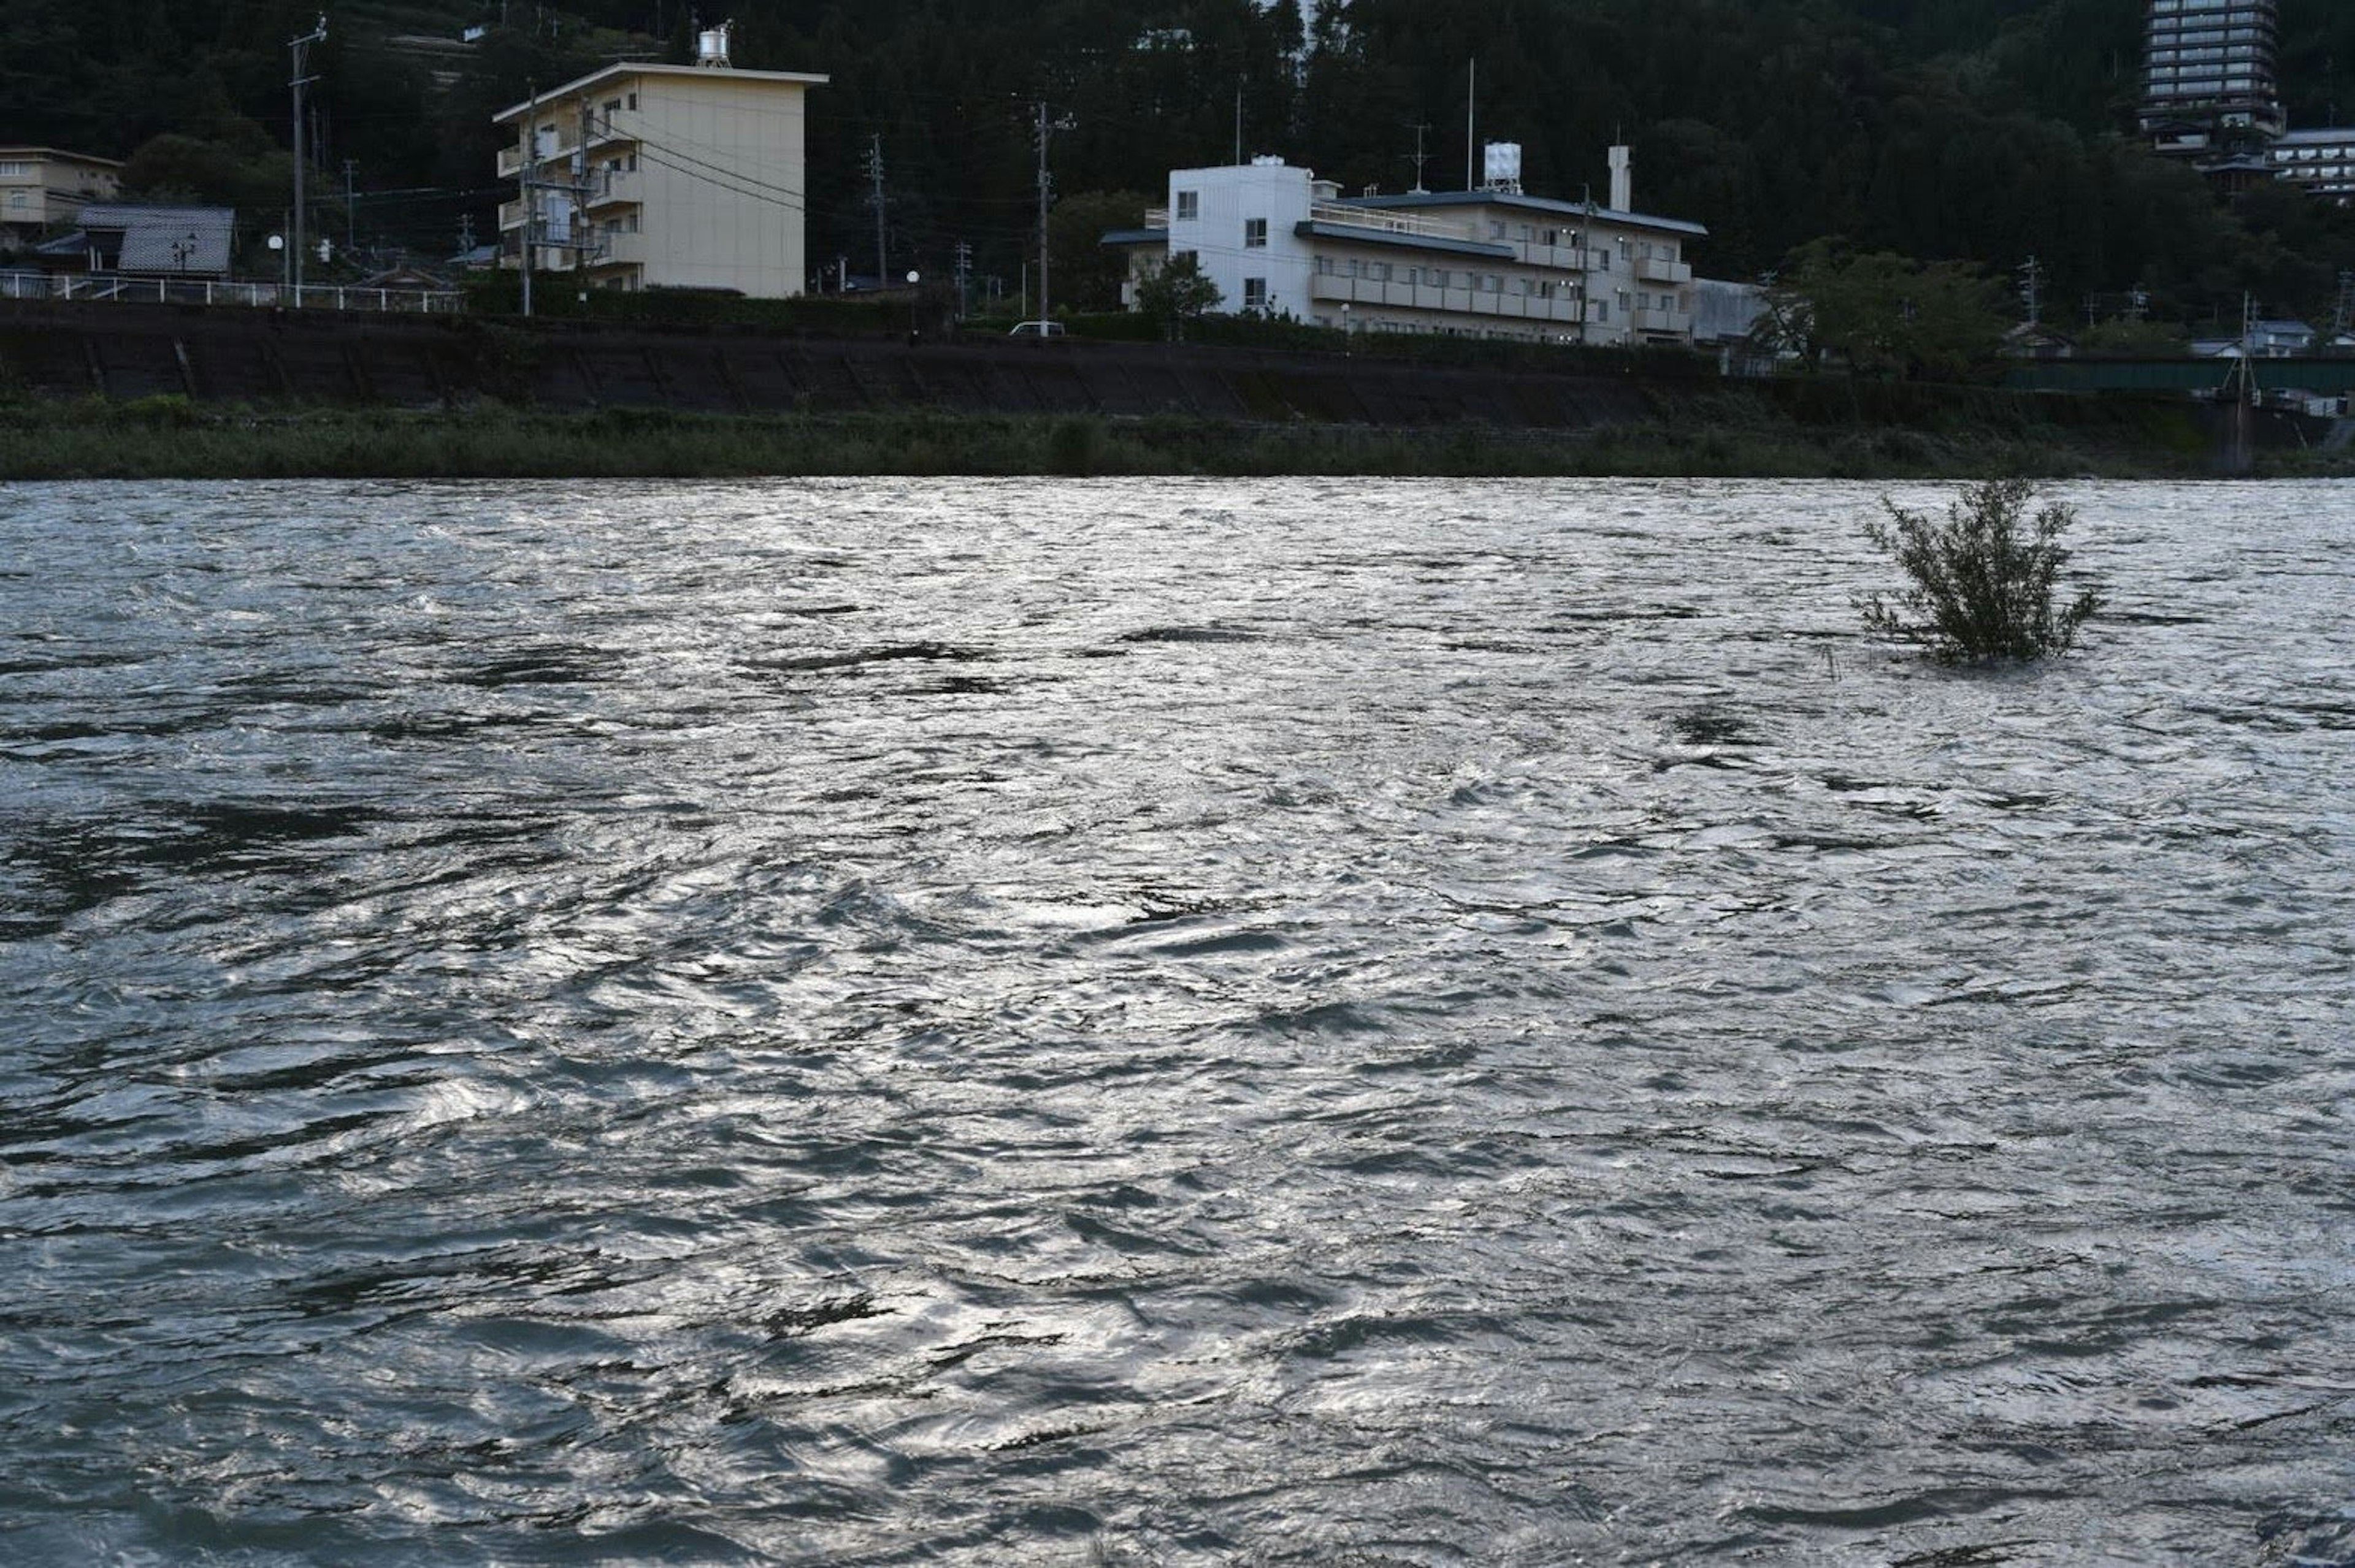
243, 356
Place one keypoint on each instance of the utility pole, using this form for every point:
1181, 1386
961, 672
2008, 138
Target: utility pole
875, 174
300, 50
1045, 188
964, 272
530, 162
351, 167
2031, 288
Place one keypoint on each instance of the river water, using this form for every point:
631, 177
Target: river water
1164, 1023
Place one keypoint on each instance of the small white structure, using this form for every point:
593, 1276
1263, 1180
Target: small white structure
1492, 262
640, 176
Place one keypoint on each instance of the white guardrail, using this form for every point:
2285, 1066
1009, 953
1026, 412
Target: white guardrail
203, 291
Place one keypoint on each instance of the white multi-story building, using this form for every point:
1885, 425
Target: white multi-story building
1492, 262
2320, 161
41, 188
2208, 74
641, 176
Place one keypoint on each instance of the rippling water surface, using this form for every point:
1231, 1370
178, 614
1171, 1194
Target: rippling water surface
1163, 1023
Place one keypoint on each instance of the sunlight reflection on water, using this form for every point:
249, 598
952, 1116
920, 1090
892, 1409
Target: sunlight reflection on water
1163, 1022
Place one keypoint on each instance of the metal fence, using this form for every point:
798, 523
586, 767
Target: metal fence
205, 291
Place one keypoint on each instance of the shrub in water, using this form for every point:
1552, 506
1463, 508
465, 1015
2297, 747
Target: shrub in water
1982, 578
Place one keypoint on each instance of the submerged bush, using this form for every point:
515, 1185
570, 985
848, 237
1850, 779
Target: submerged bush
1982, 579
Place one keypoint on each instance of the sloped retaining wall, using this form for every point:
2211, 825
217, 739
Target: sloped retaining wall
259, 356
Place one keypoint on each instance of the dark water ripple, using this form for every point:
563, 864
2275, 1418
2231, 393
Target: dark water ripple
1163, 1023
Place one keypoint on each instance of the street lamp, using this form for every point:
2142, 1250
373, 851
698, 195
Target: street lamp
914, 278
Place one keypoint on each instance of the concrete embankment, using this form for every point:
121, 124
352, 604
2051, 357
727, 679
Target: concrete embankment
351, 360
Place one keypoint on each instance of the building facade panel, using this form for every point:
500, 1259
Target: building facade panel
43, 187
667, 176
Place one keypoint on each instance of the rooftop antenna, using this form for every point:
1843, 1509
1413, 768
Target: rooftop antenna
1239, 124
1420, 156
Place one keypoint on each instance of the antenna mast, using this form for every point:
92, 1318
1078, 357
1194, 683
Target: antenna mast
1420, 156
1471, 105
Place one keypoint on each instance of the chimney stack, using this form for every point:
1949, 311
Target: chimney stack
1623, 180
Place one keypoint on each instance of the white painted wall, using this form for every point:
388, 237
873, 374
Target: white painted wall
1229, 197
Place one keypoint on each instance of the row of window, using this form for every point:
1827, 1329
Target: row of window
2164, 37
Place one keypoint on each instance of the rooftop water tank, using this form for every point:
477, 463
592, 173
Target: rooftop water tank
712, 47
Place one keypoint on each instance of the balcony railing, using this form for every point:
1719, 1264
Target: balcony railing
1561, 306
1657, 270
613, 187
618, 250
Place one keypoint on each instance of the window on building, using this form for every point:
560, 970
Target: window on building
1381, 272
634, 102
15, 170
1324, 266
1255, 233
1254, 293
1623, 248
1190, 206
1495, 228
1603, 310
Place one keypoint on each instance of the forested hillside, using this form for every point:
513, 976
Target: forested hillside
1980, 130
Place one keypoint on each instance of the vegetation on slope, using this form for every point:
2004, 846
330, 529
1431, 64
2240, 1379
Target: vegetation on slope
1982, 132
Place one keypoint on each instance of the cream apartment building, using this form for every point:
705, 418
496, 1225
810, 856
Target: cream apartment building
640, 176
1491, 262
41, 188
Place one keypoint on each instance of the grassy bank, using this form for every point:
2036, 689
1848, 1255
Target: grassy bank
1719, 434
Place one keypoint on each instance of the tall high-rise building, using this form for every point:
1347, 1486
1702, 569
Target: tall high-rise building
2208, 81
